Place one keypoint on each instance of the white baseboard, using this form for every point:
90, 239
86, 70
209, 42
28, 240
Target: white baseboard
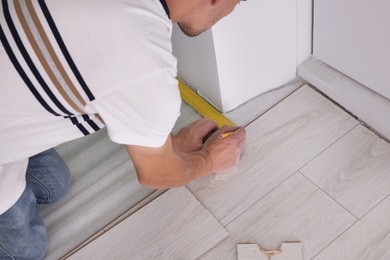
370, 107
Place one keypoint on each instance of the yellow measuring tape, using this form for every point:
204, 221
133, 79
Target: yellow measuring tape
201, 106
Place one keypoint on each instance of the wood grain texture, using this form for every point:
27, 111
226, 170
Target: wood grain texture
278, 144
295, 211
104, 185
174, 226
367, 239
354, 171
125, 215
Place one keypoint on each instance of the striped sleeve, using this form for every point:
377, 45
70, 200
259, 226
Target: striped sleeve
35, 48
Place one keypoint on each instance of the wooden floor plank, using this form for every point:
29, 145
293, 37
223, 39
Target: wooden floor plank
278, 144
367, 239
173, 226
354, 171
295, 211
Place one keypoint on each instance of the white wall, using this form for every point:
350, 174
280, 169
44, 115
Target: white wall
197, 64
253, 50
304, 29
353, 36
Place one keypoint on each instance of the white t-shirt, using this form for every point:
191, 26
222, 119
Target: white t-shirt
70, 67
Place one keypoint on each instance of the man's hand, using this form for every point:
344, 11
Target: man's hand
224, 153
189, 139
184, 157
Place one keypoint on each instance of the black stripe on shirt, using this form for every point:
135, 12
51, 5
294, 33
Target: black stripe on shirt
79, 125
28, 59
33, 90
91, 122
64, 50
164, 4
23, 74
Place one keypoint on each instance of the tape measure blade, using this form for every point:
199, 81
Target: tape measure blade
201, 106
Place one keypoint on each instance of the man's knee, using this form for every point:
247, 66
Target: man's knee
60, 182
49, 176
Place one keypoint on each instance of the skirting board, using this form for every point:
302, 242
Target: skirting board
370, 107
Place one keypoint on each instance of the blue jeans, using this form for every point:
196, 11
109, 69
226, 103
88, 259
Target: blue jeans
22, 232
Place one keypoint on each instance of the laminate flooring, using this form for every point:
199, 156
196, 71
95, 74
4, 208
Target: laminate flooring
310, 172
183, 229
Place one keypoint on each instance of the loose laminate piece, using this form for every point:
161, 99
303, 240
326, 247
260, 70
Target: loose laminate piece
250, 252
173, 226
287, 251
354, 171
279, 143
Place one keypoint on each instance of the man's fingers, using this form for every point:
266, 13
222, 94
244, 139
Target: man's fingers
207, 125
205, 128
210, 133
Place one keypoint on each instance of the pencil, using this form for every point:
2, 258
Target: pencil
225, 134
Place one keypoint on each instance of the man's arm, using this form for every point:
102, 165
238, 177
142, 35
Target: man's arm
184, 157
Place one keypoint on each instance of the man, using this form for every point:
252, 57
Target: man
70, 67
